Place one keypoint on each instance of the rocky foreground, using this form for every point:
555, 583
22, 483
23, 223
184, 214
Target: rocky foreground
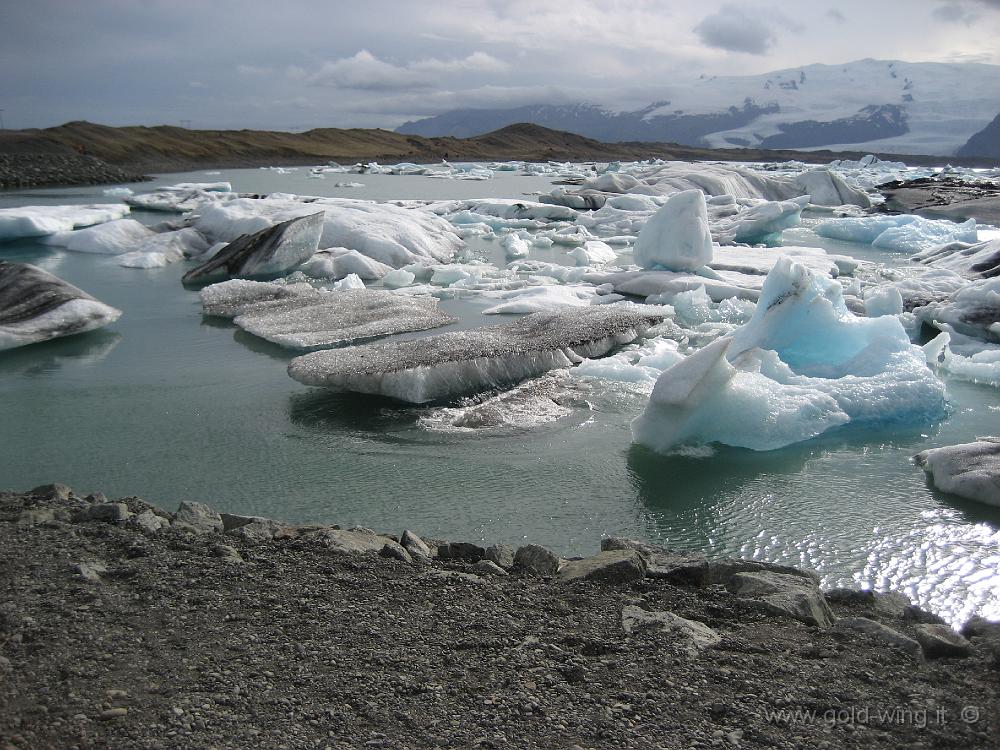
124, 626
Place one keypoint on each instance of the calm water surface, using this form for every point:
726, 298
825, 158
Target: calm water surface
169, 405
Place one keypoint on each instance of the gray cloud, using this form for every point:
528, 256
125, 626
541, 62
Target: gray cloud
956, 12
836, 15
743, 29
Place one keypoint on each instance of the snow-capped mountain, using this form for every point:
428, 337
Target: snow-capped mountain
884, 105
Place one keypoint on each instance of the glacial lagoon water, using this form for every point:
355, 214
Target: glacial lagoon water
170, 406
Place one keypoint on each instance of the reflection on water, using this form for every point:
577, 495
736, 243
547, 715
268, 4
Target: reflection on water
46, 356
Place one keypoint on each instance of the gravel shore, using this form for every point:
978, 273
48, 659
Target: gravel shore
40, 170
125, 626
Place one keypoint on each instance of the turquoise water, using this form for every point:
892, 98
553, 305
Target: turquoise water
170, 406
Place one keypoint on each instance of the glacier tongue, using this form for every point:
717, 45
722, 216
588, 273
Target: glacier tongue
37, 306
802, 365
462, 362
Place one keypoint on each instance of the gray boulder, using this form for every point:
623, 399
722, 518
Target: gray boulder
882, 633
940, 641
611, 566
784, 594
501, 554
536, 560
690, 635
197, 518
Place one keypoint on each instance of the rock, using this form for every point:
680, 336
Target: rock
889, 603
536, 560
35, 516
460, 551
415, 545
980, 627
691, 635
720, 571
148, 522
226, 553
784, 594
53, 492
882, 633
488, 568
257, 530
502, 555
913, 613
106, 513
940, 641
395, 552
197, 518
350, 542
686, 568
112, 713
610, 566
91, 572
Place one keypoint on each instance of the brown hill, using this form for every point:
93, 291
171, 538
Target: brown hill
167, 148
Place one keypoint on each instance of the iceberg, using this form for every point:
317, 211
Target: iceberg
389, 234
340, 317
965, 357
112, 238
461, 362
969, 470
802, 365
227, 299
539, 298
338, 262
976, 261
910, 234
677, 237
38, 221
37, 306
269, 251
762, 223
594, 253
973, 310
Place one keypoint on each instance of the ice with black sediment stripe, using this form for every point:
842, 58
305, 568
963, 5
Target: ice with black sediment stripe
463, 362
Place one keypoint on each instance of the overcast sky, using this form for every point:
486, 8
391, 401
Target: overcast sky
296, 64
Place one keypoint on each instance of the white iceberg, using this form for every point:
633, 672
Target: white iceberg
338, 262
677, 237
974, 261
38, 221
802, 365
969, 470
907, 233
112, 238
965, 357
973, 310
539, 298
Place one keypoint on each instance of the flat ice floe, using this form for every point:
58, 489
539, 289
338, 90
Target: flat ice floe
973, 310
270, 251
463, 362
974, 261
37, 306
802, 365
298, 316
38, 221
969, 470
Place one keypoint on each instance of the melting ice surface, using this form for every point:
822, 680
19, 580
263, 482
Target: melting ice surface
549, 461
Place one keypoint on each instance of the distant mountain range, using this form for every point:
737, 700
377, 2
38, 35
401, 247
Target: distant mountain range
877, 105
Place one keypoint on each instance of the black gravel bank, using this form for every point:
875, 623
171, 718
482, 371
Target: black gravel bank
40, 170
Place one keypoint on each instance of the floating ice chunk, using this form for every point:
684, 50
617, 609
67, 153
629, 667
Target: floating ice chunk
900, 233
176, 201
705, 399
227, 299
761, 223
965, 357
269, 251
165, 248
594, 253
539, 298
612, 182
351, 281
140, 259
562, 274
338, 317
111, 238
398, 279
677, 237
760, 261
389, 234
978, 261
515, 247
934, 285
644, 203
974, 310
118, 192
883, 300
338, 262
208, 187
37, 306
802, 365
826, 188
349, 184
696, 307
663, 285
637, 364
38, 221
969, 470
452, 364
